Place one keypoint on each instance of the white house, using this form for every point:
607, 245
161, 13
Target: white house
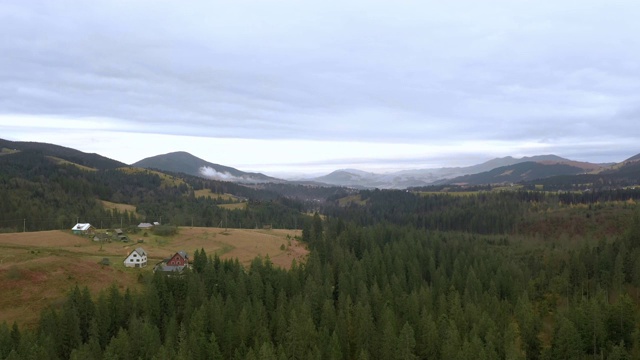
137, 258
81, 228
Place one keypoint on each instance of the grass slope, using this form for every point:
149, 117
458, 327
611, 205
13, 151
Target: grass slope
37, 269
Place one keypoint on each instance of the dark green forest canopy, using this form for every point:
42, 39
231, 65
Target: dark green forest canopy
378, 292
512, 212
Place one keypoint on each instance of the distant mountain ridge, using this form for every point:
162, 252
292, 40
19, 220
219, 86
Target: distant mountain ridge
184, 162
424, 177
538, 167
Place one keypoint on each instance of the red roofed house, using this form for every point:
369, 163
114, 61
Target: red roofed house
178, 262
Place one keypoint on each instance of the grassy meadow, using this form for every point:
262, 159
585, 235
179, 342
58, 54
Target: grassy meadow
37, 269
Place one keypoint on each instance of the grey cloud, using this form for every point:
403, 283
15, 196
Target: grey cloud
364, 70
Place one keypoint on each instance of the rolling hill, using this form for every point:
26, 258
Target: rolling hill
93, 161
183, 162
516, 173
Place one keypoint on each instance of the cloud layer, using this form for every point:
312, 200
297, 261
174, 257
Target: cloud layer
435, 75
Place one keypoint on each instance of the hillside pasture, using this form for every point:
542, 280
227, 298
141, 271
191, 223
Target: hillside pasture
351, 200
117, 206
37, 269
57, 160
5, 151
167, 180
234, 206
211, 194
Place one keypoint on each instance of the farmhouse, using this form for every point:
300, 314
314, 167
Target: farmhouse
137, 258
178, 262
82, 228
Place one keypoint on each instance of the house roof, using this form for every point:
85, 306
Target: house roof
140, 251
81, 227
145, 225
170, 268
183, 254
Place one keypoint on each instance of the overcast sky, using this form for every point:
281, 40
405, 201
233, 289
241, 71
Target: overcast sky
314, 86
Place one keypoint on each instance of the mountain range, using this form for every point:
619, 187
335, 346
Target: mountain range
534, 167
496, 171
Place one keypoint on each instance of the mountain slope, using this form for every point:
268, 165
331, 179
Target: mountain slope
525, 171
183, 162
633, 158
617, 176
94, 161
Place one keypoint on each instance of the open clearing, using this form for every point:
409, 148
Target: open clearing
37, 269
211, 194
120, 207
234, 206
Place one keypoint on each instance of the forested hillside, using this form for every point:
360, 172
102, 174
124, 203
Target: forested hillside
509, 212
68, 154
39, 193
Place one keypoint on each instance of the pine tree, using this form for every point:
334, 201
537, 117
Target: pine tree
406, 343
427, 339
566, 343
69, 336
